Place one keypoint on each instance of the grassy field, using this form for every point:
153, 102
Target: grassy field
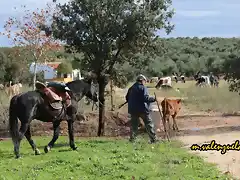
105, 159
205, 99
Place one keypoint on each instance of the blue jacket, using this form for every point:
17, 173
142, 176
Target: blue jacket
138, 99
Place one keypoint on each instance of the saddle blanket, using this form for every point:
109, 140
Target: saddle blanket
53, 95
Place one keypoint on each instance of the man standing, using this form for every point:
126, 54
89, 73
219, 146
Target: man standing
138, 106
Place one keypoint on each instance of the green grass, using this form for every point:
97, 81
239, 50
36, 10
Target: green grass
105, 159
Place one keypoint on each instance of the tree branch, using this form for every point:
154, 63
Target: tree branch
112, 63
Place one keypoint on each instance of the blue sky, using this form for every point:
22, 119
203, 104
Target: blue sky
201, 18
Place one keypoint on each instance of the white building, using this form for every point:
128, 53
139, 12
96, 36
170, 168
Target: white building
50, 71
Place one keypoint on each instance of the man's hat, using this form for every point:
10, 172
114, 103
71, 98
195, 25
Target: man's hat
141, 77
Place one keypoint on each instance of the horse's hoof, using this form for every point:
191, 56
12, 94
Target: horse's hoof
47, 149
74, 148
37, 152
18, 157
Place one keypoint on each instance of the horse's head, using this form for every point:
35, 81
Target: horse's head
81, 88
92, 90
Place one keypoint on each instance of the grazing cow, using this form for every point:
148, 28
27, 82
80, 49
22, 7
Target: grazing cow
164, 81
176, 77
170, 107
202, 80
182, 78
207, 81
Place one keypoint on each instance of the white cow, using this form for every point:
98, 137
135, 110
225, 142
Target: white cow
203, 81
207, 80
167, 81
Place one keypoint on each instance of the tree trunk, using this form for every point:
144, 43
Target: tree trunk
101, 124
34, 75
111, 94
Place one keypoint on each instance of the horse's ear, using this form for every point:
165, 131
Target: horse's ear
179, 100
91, 75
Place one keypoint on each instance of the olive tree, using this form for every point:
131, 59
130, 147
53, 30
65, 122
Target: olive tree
110, 32
232, 72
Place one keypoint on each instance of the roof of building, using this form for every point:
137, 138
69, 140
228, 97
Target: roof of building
54, 65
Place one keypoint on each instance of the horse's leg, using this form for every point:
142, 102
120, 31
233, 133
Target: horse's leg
71, 114
17, 140
56, 131
70, 132
31, 142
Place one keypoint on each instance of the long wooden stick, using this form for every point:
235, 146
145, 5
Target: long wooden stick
166, 133
119, 107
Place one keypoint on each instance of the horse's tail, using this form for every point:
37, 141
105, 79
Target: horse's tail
13, 119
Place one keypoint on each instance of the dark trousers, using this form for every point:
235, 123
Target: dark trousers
149, 125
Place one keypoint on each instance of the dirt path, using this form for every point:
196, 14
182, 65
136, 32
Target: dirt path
199, 128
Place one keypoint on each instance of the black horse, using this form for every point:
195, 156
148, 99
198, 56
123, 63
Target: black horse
32, 105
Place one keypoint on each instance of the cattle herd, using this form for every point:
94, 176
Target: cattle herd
201, 80
161, 82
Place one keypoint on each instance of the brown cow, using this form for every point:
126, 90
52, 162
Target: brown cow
170, 107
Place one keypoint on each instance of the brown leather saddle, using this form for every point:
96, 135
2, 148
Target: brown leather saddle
56, 100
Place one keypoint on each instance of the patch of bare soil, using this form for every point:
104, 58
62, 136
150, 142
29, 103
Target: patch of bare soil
200, 128
115, 125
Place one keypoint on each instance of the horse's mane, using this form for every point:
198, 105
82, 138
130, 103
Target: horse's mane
78, 85
78, 81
